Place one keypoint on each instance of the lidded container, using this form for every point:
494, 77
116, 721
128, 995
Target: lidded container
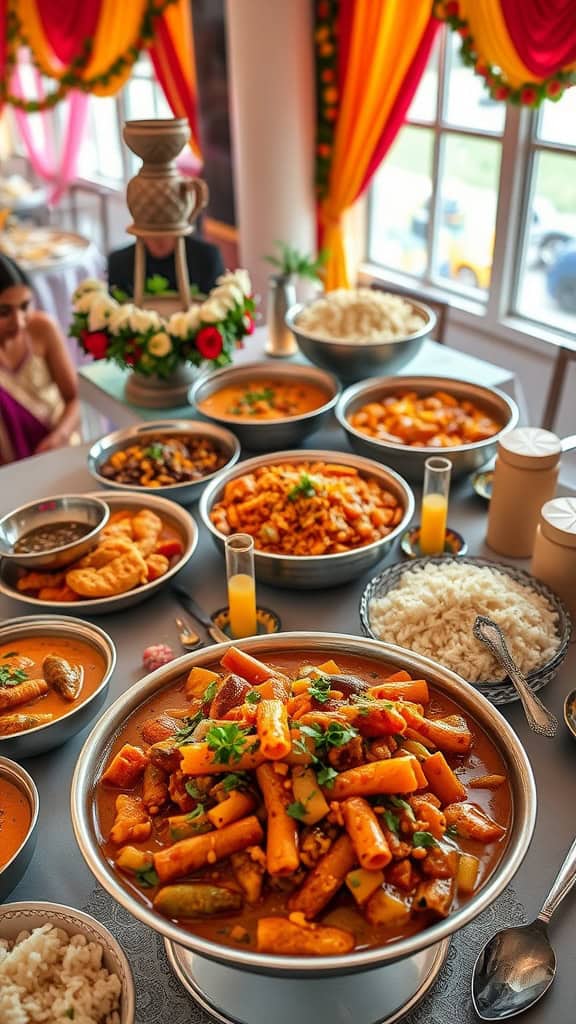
554, 560
525, 477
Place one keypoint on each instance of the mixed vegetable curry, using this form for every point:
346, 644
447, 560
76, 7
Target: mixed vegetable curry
264, 399
439, 420
302, 809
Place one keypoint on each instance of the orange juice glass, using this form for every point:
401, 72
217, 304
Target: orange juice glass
434, 513
241, 585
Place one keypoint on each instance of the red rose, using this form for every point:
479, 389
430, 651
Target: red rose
248, 323
528, 96
464, 31
554, 88
209, 342
95, 342
133, 356
502, 92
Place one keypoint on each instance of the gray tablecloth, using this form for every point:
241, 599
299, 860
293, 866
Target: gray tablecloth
58, 873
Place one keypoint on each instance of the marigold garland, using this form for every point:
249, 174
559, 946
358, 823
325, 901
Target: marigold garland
327, 91
529, 94
72, 78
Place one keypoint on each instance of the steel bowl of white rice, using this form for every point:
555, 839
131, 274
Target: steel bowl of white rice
360, 332
430, 607
58, 963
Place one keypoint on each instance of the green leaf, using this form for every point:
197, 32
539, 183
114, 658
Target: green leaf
396, 801
425, 839
320, 688
210, 692
227, 742
157, 284
198, 812
326, 775
452, 831
147, 877
188, 727
392, 821
297, 810
335, 735
254, 697
191, 788
155, 451
305, 488
234, 780
119, 295
11, 676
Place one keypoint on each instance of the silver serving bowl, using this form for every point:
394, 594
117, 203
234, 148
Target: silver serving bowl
14, 869
499, 691
357, 358
268, 434
94, 752
409, 461
116, 500
31, 742
311, 572
79, 508
25, 916
185, 493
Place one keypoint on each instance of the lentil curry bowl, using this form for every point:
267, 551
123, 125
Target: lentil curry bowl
312, 804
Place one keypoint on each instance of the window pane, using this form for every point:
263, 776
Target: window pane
468, 197
557, 121
423, 106
139, 99
548, 278
400, 202
468, 102
100, 153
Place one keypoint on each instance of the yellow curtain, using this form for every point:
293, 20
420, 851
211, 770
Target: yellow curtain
385, 37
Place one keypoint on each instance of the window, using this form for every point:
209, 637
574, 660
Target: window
479, 199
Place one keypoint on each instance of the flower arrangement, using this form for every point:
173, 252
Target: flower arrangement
208, 331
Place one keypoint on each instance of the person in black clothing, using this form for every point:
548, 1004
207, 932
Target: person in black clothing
204, 263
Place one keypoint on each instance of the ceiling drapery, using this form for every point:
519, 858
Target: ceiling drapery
525, 50
92, 45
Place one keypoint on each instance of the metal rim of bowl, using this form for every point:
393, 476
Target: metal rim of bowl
32, 555
264, 369
123, 438
396, 571
487, 717
80, 629
154, 502
295, 311
370, 468
61, 914
19, 777
373, 384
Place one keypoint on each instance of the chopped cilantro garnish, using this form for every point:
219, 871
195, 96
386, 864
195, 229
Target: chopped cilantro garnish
198, 811
188, 727
192, 790
326, 775
355, 882
210, 692
425, 839
11, 676
452, 831
320, 688
402, 805
297, 810
254, 697
147, 877
228, 742
392, 821
234, 780
305, 488
265, 395
335, 735
154, 451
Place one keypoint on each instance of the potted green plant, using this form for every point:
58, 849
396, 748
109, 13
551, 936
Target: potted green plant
290, 265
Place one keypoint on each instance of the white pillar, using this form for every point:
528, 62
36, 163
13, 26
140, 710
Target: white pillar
271, 75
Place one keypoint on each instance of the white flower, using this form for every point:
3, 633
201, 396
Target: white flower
193, 318
160, 344
83, 303
89, 285
100, 310
213, 311
120, 318
144, 320
239, 278
229, 293
178, 325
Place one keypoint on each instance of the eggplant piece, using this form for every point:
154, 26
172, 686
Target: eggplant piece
67, 679
196, 899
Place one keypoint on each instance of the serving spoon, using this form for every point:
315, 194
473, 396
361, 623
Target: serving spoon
518, 965
539, 718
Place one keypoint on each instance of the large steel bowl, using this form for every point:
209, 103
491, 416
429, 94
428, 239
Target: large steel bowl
267, 435
185, 493
173, 514
311, 572
357, 358
31, 742
13, 870
408, 460
27, 915
62, 508
90, 764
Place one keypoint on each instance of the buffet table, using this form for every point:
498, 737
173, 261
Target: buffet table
58, 872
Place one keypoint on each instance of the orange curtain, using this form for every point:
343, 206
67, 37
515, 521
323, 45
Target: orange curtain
172, 54
385, 36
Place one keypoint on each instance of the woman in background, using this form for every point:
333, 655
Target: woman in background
39, 408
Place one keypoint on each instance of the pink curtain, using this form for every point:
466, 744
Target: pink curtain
57, 171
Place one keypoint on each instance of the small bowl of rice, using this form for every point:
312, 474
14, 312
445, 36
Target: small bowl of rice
58, 963
360, 332
430, 607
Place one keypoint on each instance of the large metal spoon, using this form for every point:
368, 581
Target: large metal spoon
518, 965
539, 718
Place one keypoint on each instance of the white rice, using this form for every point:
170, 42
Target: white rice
49, 977
360, 315
433, 608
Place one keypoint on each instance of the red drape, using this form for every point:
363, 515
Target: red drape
543, 33
67, 24
168, 71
